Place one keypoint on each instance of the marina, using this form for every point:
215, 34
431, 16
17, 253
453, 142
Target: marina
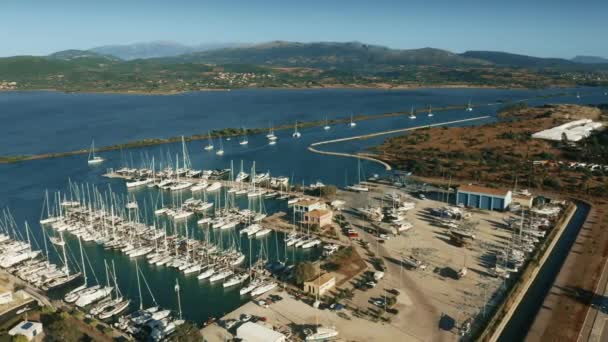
184, 212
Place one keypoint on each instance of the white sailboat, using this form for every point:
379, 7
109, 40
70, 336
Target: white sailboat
430, 114
296, 134
322, 334
327, 127
272, 139
358, 187
270, 134
209, 146
220, 152
244, 141
469, 107
93, 159
352, 123
412, 115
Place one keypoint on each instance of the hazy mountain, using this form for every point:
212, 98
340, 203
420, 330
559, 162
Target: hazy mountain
515, 60
326, 55
68, 55
155, 49
590, 60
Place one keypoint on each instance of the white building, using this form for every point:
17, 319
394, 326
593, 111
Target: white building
253, 332
574, 130
6, 297
31, 330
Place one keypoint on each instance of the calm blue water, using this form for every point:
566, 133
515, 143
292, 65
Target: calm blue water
36, 122
54, 122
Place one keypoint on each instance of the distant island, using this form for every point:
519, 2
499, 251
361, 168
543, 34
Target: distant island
288, 65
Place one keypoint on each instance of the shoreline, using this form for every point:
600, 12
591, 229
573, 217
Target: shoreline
329, 86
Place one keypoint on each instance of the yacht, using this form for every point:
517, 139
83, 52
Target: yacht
138, 182
263, 289
252, 285
221, 275
199, 187
214, 186
412, 115
469, 107
321, 334
296, 134
326, 127
209, 146
94, 296
93, 159
244, 141
236, 280
263, 232
352, 123
430, 114
220, 152
206, 273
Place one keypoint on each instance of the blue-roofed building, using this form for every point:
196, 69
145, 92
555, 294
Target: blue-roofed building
31, 330
483, 198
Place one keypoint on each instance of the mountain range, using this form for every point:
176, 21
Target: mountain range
157, 49
349, 55
590, 59
166, 66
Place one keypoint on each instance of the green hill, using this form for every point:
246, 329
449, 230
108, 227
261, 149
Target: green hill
351, 55
294, 65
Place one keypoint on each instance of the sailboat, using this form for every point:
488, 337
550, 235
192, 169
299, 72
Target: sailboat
220, 152
469, 108
358, 187
326, 127
244, 141
272, 139
118, 304
93, 159
209, 146
296, 134
412, 115
352, 123
578, 95
63, 280
430, 114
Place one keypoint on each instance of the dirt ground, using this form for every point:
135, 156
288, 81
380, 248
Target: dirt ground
434, 299
580, 283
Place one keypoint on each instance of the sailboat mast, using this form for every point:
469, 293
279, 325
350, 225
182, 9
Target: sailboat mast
84, 269
179, 301
141, 300
65, 258
115, 282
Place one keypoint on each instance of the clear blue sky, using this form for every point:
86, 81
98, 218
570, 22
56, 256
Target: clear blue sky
547, 28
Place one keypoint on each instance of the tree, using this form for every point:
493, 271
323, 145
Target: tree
305, 271
327, 191
19, 338
186, 332
565, 141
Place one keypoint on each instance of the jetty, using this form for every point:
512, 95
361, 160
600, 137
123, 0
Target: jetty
312, 147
